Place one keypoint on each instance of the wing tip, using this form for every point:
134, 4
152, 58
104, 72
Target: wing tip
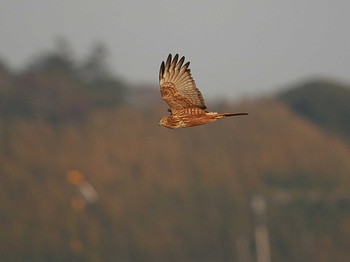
186, 65
161, 70
168, 61
174, 62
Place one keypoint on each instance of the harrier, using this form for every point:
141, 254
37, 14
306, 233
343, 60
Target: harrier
179, 91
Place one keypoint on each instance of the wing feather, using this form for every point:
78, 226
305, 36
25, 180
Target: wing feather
177, 86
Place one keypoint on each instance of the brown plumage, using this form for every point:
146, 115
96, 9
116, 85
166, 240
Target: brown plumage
179, 91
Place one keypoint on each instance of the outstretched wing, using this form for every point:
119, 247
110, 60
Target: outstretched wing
177, 86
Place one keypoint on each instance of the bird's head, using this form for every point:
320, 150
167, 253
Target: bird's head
166, 122
163, 121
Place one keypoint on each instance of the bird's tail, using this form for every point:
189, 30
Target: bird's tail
222, 115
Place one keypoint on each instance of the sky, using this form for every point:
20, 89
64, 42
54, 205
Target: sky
237, 48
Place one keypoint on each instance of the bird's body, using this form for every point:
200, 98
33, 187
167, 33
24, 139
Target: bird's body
192, 117
186, 102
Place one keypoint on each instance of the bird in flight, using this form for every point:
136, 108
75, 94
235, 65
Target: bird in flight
179, 91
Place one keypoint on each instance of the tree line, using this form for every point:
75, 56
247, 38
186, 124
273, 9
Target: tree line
56, 86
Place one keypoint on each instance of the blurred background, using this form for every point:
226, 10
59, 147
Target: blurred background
86, 174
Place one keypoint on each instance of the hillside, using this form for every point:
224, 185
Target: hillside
172, 194
325, 103
86, 174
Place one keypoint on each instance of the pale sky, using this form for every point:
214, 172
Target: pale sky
236, 48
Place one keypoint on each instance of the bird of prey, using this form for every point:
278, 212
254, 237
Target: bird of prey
179, 91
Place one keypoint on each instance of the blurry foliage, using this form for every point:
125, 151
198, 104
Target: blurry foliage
325, 103
295, 181
171, 195
55, 86
164, 195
